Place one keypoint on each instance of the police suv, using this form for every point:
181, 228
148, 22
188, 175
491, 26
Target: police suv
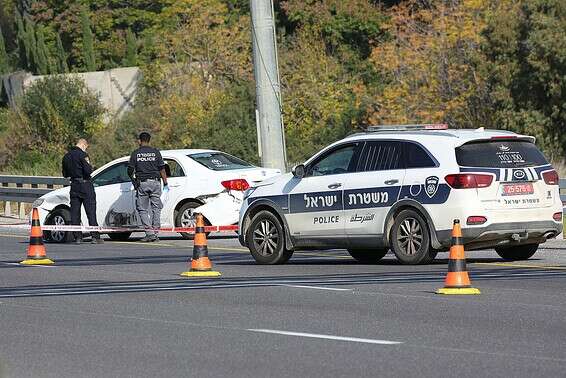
401, 188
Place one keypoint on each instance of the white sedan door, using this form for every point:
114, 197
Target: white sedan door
115, 197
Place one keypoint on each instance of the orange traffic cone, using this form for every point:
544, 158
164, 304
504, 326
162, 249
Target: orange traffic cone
457, 280
36, 249
200, 264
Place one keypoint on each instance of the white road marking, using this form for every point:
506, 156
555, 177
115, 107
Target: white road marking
327, 337
317, 287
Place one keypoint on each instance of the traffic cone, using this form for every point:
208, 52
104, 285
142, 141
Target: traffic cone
457, 280
36, 249
200, 264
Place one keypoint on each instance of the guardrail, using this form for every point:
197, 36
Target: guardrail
22, 190
26, 189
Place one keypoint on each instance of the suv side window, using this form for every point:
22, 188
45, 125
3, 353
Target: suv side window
112, 175
334, 162
417, 157
381, 156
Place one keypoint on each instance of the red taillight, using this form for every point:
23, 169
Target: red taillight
468, 180
236, 184
557, 216
476, 219
551, 177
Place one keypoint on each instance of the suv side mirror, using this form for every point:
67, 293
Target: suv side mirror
299, 171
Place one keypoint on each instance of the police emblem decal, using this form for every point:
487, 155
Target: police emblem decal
519, 174
431, 186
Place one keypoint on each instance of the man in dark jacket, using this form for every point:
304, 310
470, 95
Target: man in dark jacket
76, 166
146, 168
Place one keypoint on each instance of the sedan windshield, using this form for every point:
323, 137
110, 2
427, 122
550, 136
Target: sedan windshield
219, 161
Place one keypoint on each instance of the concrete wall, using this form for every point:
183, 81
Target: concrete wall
117, 88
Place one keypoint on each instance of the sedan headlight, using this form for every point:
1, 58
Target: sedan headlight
37, 203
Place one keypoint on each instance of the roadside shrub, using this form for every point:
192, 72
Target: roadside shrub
59, 109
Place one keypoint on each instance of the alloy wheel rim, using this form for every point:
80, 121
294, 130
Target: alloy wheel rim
266, 238
410, 236
188, 218
58, 236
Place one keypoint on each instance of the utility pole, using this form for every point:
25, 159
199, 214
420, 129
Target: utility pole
271, 138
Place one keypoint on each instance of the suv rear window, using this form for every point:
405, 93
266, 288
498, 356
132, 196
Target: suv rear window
500, 154
219, 161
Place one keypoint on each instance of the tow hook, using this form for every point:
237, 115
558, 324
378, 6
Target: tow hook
519, 237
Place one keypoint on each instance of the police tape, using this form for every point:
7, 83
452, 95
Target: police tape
103, 229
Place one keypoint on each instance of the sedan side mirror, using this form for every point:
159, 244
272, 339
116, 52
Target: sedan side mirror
299, 171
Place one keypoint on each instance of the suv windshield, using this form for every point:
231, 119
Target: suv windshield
500, 154
219, 161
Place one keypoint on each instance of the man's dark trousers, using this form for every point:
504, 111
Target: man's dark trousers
82, 193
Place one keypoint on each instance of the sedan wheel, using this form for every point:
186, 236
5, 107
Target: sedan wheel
185, 217
60, 217
410, 240
266, 239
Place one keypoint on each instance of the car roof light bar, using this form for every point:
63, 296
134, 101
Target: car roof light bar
411, 127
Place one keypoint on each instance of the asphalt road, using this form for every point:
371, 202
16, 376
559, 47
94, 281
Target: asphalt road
123, 310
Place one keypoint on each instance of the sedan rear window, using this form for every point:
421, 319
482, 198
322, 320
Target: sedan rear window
500, 154
219, 161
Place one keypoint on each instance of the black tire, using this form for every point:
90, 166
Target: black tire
410, 240
59, 217
185, 218
519, 252
368, 256
266, 239
119, 236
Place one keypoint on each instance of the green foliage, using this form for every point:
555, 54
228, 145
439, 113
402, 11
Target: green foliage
131, 58
62, 66
60, 109
43, 59
88, 42
4, 62
31, 43
525, 47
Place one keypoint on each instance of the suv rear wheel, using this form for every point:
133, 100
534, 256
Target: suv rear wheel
266, 239
368, 256
519, 252
410, 240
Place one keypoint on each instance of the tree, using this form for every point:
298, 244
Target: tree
131, 56
57, 109
429, 65
23, 43
525, 55
62, 66
4, 62
88, 42
43, 58
33, 59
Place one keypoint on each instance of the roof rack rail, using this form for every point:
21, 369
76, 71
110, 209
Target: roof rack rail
424, 126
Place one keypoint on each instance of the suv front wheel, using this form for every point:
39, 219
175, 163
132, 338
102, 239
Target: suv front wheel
410, 240
266, 239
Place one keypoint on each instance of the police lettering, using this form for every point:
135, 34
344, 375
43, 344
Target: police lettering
146, 156
325, 220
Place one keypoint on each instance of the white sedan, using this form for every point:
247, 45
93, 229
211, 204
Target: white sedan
206, 181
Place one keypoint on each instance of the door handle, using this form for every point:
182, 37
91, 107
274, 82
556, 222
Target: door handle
391, 182
335, 185
174, 185
126, 190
